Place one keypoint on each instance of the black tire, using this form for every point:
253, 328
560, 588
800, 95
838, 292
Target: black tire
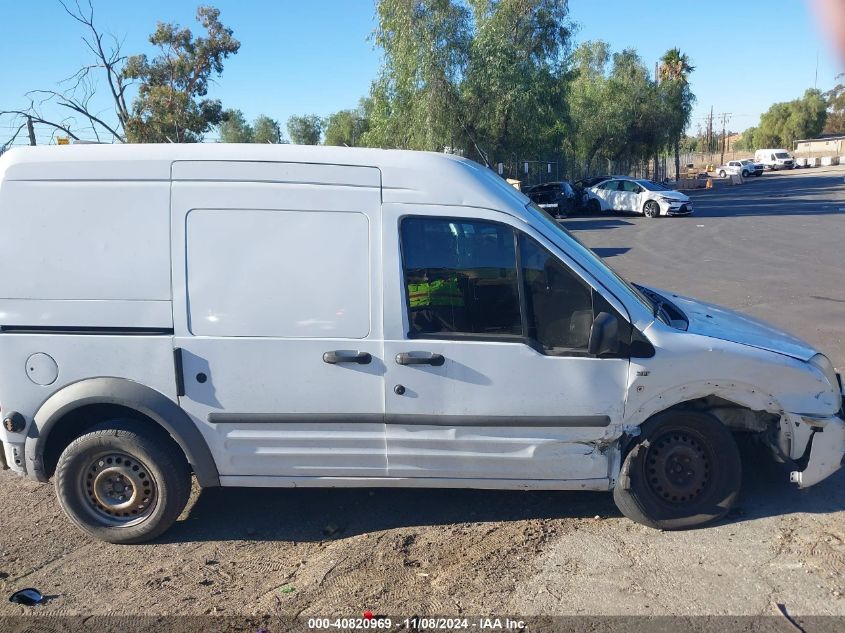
594, 206
744, 174
722, 174
652, 491
651, 209
97, 469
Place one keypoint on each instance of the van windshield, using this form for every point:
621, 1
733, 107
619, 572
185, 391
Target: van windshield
781, 155
583, 251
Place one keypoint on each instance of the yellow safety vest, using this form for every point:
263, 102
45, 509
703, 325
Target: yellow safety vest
438, 293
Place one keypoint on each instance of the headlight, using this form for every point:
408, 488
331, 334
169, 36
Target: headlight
823, 364
670, 200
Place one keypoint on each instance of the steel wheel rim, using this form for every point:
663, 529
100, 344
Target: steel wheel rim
118, 489
678, 467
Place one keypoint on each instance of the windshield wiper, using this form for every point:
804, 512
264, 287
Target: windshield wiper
657, 302
658, 307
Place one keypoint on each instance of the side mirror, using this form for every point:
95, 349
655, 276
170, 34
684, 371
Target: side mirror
604, 335
638, 190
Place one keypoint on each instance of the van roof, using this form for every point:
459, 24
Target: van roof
407, 176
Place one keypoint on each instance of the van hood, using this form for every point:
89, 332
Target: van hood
721, 323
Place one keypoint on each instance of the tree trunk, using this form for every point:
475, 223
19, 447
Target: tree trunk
677, 158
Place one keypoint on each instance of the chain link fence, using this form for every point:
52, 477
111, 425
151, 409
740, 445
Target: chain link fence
531, 172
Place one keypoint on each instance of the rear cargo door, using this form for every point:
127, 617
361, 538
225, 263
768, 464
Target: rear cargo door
277, 316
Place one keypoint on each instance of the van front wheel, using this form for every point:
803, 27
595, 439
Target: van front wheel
684, 471
122, 483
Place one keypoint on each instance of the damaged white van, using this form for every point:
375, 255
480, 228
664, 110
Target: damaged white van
311, 316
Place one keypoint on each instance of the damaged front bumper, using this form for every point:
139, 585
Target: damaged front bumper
825, 451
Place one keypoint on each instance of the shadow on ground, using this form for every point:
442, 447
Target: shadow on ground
766, 490
595, 224
310, 515
610, 251
323, 514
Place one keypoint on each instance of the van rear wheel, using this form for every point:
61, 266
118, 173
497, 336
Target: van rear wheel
122, 483
684, 471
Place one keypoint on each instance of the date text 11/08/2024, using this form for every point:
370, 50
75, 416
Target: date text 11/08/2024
374, 622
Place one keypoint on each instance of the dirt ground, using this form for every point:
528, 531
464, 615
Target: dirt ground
406, 552
454, 552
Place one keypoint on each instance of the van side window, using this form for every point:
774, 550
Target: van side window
559, 305
460, 277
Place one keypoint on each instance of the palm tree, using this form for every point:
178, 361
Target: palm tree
674, 73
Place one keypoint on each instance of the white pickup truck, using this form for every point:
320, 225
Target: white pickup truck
744, 168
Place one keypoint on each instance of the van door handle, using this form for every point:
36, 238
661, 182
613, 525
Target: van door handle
420, 358
340, 356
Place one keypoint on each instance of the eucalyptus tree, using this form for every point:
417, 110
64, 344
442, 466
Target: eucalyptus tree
615, 110
234, 128
484, 76
415, 101
266, 129
346, 127
513, 89
305, 130
155, 99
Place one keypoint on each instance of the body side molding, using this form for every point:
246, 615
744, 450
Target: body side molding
561, 421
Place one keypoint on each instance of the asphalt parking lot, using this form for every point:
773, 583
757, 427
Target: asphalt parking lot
771, 248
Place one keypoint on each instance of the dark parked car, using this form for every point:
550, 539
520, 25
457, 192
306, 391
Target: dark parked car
558, 198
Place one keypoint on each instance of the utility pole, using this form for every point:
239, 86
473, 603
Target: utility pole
31, 130
710, 131
726, 117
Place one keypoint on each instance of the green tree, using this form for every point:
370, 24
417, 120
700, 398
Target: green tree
674, 73
616, 111
346, 127
835, 97
747, 142
786, 122
305, 130
590, 103
234, 128
415, 101
513, 89
482, 76
170, 105
266, 130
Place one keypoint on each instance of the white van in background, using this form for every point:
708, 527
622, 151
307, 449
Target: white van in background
774, 159
273, 315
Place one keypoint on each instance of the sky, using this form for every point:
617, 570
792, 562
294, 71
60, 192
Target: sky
316, 56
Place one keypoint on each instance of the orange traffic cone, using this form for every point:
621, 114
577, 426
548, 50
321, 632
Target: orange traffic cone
709, 184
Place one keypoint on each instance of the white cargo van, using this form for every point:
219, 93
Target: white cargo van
309, 316
774, 159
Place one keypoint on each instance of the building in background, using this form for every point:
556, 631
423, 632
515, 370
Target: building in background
824, 145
